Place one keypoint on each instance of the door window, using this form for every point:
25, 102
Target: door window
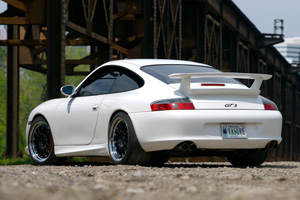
110, 79
100, 82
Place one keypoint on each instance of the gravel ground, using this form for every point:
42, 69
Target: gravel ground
272, 180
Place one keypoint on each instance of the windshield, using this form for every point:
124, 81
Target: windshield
162, 73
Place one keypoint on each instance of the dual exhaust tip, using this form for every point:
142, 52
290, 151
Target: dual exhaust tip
272, 145
188, 147
185, 147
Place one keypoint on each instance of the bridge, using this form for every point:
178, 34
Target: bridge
215, 32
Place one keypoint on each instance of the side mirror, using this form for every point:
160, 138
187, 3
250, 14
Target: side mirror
67, 90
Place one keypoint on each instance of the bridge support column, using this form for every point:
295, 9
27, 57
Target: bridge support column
55, 48
12, 96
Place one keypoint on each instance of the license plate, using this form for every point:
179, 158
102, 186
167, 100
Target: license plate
230, 131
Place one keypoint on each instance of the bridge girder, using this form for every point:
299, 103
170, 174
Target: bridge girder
209, 31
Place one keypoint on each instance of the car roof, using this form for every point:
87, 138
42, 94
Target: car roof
147, 62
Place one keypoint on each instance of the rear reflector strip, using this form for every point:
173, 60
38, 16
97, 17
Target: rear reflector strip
212, 84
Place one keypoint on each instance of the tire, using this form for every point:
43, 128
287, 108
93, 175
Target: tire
40, 143
259, 157
157, 159
253, 158
123, 145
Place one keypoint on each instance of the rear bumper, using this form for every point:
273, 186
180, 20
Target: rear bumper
163, 130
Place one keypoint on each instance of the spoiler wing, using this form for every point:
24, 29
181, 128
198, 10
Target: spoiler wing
186, 79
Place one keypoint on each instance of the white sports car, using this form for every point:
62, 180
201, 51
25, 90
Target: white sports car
144, 111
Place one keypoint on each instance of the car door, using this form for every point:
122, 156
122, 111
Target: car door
77, 116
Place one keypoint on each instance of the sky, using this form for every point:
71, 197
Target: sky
262, 14
3, 6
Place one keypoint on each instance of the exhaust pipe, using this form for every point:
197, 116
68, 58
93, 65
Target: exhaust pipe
269, 145
182, 147
275, 145
272, 145
192, 147
185, 147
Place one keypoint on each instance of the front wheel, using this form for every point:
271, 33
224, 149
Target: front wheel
123, 145
40, 143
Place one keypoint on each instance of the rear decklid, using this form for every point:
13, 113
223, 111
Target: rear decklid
219, 95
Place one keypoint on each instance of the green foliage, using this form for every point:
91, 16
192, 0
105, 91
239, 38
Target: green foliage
80, 159
2, 109
16, 161
76, 53
2, 57
32, 93
2, 99
74, 80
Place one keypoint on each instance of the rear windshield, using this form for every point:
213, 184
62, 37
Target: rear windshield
162, 73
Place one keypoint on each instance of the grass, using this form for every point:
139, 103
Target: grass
79, 159
27, 160
16, 161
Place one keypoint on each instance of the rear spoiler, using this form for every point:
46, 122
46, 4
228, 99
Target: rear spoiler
186, 79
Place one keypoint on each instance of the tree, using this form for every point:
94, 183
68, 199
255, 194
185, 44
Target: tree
32, 92
33, 86
2, 99
76, 53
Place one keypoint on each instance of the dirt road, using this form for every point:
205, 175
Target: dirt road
276, 180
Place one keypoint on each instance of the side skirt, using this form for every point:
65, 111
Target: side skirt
86, 150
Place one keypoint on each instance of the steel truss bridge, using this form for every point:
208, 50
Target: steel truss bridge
214, 32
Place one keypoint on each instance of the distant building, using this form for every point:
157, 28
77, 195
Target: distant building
290, 49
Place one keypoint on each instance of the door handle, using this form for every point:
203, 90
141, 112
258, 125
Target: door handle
95, 107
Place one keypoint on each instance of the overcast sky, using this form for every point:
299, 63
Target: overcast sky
262, 13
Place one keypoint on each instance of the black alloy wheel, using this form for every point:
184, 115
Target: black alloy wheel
123, 145
40, 143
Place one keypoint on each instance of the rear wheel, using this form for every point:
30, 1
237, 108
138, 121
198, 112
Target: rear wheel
40, 143
158, 159
123, 145
253, 158
259, 157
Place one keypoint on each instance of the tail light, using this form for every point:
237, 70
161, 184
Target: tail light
269, 105
172, 104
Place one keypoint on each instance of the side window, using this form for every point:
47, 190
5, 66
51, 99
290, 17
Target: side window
100, 82
110, 79
127, 81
